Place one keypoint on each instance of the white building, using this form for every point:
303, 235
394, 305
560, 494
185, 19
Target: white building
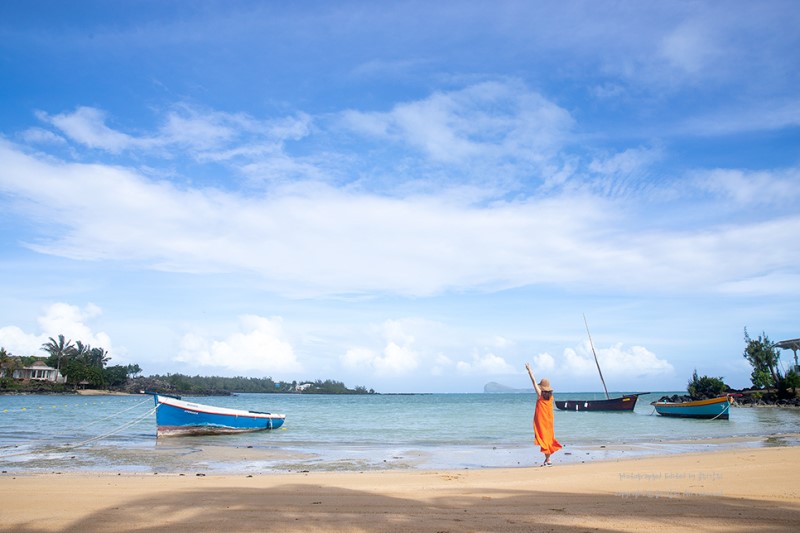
39, 371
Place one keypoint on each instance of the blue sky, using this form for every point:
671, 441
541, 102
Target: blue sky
405, 196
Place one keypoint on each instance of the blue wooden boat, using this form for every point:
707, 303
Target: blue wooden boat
175, 416
715, 408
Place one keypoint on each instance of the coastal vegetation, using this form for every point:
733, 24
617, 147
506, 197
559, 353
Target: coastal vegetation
84, 366
768, 372
705, 387
217, 385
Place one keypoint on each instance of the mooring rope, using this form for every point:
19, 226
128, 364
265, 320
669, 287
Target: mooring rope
92, 439
79, 428
112, 432
727, 406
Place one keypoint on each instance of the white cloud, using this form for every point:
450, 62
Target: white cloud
358, 358
87, 126
579, 365
621, 165
259, 347
394, 360
42, 136
398, 357
317, 240
18, 342
485, 364
441, 365
616, 362
754, 187
543, 362
59, 319
489, 120
205, 135
690, 47
765, 115
502, 342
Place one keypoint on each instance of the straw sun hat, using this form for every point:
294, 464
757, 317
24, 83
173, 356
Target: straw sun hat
545, 385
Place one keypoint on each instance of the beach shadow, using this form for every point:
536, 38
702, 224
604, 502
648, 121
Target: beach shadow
308, 507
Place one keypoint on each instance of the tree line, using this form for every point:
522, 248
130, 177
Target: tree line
183, 384
83, 365
78, 363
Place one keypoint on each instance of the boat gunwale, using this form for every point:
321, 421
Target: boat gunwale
219, 411
693, 403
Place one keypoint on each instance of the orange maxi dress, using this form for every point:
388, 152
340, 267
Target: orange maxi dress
543, 432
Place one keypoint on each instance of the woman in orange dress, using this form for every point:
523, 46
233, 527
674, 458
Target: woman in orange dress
543, 432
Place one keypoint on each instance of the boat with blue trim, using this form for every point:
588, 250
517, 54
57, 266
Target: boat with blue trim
714, 408
175, 416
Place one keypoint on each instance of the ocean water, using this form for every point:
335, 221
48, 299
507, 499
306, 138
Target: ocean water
47, 433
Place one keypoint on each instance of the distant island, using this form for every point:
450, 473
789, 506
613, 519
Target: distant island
494, 387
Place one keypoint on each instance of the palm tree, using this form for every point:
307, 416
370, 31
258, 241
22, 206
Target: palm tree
81, 351
97, 357
7, 363
59, 350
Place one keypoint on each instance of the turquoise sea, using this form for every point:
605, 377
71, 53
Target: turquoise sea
61, 433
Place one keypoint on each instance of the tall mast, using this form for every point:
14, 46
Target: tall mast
595, 356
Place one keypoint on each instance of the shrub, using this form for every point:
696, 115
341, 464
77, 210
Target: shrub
704, 387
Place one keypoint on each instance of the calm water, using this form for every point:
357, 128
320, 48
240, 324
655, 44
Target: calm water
117, 433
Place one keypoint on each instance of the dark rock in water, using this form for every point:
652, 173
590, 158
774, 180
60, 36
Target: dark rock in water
676, 398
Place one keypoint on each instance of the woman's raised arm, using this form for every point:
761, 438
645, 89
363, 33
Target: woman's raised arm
533, 380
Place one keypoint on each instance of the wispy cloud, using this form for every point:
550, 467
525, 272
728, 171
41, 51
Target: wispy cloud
488, 121
321, 240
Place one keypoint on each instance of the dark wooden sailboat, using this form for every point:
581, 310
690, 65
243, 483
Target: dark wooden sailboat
623, 403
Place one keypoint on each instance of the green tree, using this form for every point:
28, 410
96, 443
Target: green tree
96, 358
764, 357
132, 370
59, 351
703, 387
117, 375
5, 361
792, 380
75, 371
8, 363
81, 351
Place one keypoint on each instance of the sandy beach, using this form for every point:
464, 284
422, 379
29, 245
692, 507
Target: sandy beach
736, 490
100, 392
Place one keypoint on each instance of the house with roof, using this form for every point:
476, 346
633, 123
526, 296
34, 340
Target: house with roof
39, 371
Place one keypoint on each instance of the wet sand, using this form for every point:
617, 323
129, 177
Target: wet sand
732, 490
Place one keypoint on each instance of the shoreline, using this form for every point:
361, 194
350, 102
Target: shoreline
106, 392
97, 392
728, 490
183, 457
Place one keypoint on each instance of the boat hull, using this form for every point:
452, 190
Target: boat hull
715, 408
179, 417
624, 403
